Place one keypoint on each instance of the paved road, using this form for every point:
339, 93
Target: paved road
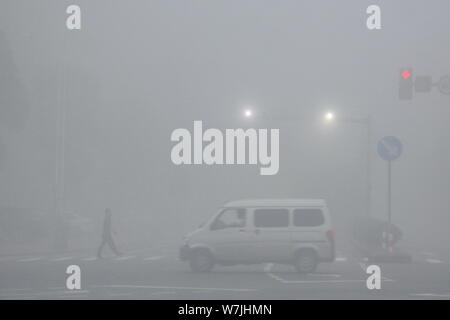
157, 274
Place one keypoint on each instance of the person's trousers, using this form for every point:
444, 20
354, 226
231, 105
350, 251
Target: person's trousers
110, 242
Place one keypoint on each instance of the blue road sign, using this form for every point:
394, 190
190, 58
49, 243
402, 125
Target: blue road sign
389, 148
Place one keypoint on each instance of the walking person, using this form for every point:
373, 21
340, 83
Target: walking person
107, 235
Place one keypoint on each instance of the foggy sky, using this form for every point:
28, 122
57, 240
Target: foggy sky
140, 69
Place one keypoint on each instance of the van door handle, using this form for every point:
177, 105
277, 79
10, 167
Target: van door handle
256, 231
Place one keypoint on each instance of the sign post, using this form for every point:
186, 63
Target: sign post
389, 148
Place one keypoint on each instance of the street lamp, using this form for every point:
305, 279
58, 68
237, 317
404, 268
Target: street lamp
367, 122
248, 113
329, 116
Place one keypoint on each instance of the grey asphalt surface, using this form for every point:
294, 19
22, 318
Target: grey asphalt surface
158, 274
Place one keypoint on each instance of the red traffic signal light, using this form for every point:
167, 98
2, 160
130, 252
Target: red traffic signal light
406, 74
405, 84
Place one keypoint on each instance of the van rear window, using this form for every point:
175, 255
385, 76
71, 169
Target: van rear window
271, 218
308, 217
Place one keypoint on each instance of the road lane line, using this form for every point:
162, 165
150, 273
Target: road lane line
68, 292
163, 292
30, 259
15, 294
268, 269
341, 259
62, 259
90, 259
173, 287
332, 275
429, 260
445, 295
320, 281
16, 289
153, 258
269, 266
125, 258
60, 293
125, 294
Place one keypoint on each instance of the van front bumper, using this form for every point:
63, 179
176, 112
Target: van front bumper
184, 252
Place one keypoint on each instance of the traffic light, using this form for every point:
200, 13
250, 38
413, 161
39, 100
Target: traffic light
405, 84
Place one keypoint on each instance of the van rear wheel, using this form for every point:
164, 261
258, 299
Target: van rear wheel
201, 261
306, 261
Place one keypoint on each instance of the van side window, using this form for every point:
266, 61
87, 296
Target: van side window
271, 218
230, 218
308, 217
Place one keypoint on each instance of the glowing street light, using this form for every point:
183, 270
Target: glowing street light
329, 116
248, 113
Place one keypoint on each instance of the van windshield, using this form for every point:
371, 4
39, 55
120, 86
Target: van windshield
230, 218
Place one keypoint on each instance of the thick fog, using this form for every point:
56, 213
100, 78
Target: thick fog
86, 116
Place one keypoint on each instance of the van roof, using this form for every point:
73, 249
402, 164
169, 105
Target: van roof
276, 203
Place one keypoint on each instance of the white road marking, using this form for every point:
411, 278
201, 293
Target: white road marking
429, 260
61, 293
72, 292
163, 292
30, 259
62, 259
15, 294
16, 289
268, 269
90, 259
323, 281
201, 291
153, 258
445, 295
125, 258
174, 288
341, 259
332, 275
269, 266
126, 294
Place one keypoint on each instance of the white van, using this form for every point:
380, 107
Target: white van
291, 231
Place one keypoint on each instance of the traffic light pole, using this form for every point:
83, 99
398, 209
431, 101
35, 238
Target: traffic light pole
389, 196
369, 167
60, 235
367, 121
389, 206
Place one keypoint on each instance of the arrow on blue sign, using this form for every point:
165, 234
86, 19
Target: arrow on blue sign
389, 148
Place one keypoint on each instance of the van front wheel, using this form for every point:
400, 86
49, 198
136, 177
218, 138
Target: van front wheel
306, 261
201, 261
